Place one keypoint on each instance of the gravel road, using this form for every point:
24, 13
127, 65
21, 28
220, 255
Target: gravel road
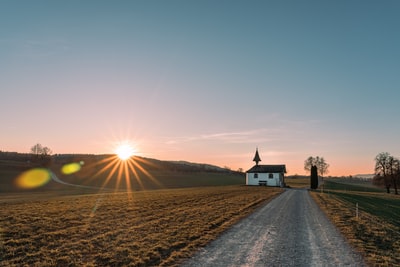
290, 230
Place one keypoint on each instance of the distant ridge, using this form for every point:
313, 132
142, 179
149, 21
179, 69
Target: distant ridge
24, 159
365, 176
206, 167
106, 172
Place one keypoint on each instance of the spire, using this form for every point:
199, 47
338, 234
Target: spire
257, 157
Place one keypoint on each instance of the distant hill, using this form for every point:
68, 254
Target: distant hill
108, 173
202, 166
365, 176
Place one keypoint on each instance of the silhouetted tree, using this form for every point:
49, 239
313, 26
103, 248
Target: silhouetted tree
322, 166
41, 154
36, 150
46, 151
317, 161
396, 175
314, 177
387, 169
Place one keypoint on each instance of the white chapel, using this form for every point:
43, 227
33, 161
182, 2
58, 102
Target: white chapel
268, 175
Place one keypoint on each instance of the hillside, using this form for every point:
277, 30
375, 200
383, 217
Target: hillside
106, 172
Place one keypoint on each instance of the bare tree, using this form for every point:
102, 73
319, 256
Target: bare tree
387, 168
317, 161
396, 175
41, 154
37, 149
308, 163
46, 151
322, 166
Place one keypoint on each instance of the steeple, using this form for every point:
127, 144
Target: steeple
257, 157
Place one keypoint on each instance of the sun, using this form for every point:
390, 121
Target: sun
125, 164
124, 151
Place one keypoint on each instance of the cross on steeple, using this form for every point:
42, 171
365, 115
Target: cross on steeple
257, 157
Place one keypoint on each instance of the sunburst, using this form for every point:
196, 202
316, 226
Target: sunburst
125, 151
126, 166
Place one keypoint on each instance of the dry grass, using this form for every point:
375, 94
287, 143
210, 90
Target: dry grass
373, 235
150, 228
298, 182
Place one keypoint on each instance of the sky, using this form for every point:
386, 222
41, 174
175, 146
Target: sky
204, 81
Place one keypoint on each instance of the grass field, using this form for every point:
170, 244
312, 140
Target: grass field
147, 228
373, 228
352, 185
298, 182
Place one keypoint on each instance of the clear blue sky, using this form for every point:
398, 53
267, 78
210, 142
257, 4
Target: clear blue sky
204, 81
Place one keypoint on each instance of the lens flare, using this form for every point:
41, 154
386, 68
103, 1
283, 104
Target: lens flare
71, 168
33, 178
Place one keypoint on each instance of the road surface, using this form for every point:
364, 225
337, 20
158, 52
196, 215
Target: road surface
290, 230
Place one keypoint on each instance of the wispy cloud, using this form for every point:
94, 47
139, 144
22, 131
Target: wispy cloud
241, 137
279, 131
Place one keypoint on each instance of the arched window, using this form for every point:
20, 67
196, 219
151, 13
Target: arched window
256, 175
270, 175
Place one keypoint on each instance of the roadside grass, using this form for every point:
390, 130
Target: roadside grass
376, 230
386, 207
147, 228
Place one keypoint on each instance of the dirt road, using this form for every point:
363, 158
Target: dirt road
289, 231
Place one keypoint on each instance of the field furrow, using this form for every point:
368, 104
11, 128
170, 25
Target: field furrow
121, 229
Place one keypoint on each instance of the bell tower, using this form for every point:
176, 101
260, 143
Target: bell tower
257, 157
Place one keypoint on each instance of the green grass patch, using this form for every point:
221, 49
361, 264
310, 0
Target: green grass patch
376, 230
351, 186
386, 207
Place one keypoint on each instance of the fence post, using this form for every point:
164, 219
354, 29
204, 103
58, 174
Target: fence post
357, 210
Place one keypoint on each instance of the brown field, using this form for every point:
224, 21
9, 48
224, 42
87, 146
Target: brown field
148, 228
298, 182
376, 230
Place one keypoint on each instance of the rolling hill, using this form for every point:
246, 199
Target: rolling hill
106, 172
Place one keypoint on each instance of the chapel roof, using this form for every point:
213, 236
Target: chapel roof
268, 169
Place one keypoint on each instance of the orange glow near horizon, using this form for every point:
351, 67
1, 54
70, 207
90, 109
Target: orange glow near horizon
335, 170
338, 167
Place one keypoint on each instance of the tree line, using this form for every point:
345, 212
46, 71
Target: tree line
386, 172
